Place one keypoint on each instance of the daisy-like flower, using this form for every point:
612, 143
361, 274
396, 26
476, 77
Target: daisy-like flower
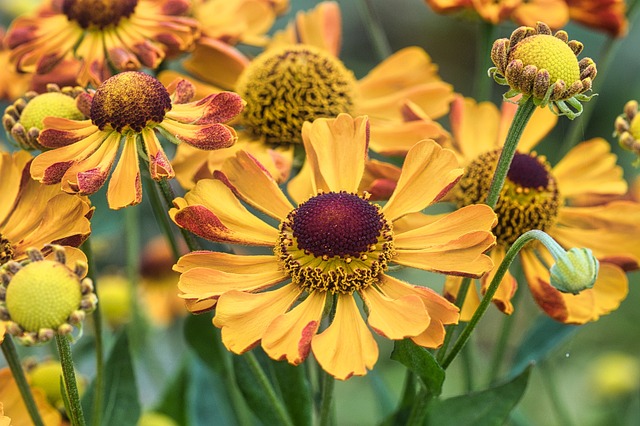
536, 64
15, 408
554, 12
627, 129
119, 34
335, 244
126, 111
539, 196
299, 78
41, 298
34, 215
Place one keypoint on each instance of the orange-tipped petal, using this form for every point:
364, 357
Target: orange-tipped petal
395, 318
125, 188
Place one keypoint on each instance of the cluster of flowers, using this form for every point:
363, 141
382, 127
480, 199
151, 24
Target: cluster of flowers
275, 152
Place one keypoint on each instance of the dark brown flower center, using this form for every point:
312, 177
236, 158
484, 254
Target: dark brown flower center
529, 199
98, 13
129, 100
6, 250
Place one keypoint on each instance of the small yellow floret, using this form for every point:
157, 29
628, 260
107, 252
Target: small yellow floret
42, 295
550, 53
634, 127
52, 104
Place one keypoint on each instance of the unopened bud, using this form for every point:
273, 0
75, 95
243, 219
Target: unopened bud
574, 271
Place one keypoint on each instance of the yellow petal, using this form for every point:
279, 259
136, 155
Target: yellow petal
474, 127
226, 262
125, 188
216, 62
395, 318
346, 348
11, 168
471, 301
289, 335
336, 149
429, 172
397, 137
432, 337
507, 287
244, 317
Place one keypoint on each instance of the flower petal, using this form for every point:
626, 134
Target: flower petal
397, 137
395, 318
226, 262
125, 188
507, 287
346, 348
12, 168
336, 149
244, 317
429, 172
474, 127
471, 301
159, 165
252, 182
211, 211
215, 62
289, 335
203, 136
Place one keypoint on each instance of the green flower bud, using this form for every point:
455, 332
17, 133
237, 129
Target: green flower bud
574, 271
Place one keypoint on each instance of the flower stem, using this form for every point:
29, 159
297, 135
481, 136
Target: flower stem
419, 408
97, 325
161, 216
488, 296
70, 385
267, 389
460, 298
523, 114
374, 27
326, 405
11, 355
482, 84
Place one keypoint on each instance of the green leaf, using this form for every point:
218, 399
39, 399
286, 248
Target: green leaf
205, 339
121, 405
484, 408
295, 391
542, 338
173, 402
421, 362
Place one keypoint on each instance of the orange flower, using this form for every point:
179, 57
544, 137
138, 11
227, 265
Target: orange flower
334, 245
538, 196
130, 106
15, 409
299, 78
609, 16
123, 34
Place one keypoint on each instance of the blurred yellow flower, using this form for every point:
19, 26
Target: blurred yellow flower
538, 196
298, 78
15, 409
614, 374
334, 244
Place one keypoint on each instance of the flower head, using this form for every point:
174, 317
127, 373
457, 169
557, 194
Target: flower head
627, 129
123, 34
536, 64
34, 215
537, 195
130, 106
41, 298
334, 247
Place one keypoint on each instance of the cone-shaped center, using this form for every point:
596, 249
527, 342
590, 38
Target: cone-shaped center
548, 52
129, 100
285, 87
528, 172
337, 224
98, 13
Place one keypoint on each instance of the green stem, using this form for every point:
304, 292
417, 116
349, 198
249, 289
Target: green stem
491, 291
70, 385
482, 85
160, 214
467, 363
267, 389
520, 120
99, 345
11, 355
169, 195
373, 24
326, 404
552, 391
419, 408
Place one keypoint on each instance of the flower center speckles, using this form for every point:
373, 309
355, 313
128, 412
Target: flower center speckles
6, 250
98, 13
529, 199
335, 241
285, 87
129, 100
550, 53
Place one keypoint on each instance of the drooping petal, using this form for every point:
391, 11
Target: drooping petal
211, 211
215, 62
507, 287
471, 301
226, 262
588, 169
428, 173
59, 132
336, 150
203, 136
397, 137
11, 174
252, 182
159, 165
125, 188
289, 335
214, 108
346, 348
244, 317
395, 318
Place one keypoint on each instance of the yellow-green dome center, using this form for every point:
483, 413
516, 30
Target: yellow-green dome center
285, 87
52, 104
550, 53
42, 295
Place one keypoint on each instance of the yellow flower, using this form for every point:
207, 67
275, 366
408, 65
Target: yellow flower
34, 215
539, 196
130, 106
544, 67
299, 78
627, 129
15, 409
333, 245
123, 34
